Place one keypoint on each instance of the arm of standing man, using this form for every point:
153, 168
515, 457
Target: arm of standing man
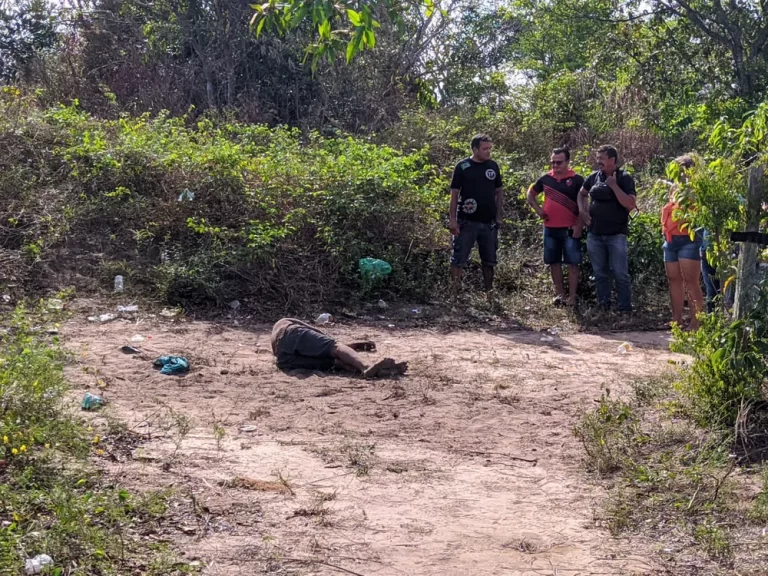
583, 203
499, 205
533, 193
453, 211
453, 226
625, 197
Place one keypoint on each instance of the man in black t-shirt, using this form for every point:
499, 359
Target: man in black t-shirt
612, 194
476, 209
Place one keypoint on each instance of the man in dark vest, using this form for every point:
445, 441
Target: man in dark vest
611, 193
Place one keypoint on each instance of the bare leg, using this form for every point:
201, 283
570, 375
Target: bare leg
456, 273
676, 290
488, 273
348, 358
573, 283
691, 271
557, 279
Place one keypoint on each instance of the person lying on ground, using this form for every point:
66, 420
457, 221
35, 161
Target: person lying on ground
296, 345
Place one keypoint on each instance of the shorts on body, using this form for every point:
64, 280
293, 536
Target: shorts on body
682, 247
486, 235
301, 347
560, 247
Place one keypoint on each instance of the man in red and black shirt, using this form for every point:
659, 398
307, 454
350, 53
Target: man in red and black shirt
562, 225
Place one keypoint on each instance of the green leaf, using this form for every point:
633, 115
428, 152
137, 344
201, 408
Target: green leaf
370, 38
260, 26
354, 17
351, 49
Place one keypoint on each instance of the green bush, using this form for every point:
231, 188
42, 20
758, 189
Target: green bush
729, 370
51, 501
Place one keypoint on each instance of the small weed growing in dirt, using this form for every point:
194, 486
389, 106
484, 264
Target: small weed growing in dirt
759, 511
317, 509
500, 386
258, 413
285, 482
361, 457
219, 433
609, 434
714, 539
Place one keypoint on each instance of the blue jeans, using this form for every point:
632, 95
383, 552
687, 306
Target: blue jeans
711, 281
610, 257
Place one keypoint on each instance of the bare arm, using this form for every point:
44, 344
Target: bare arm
499, 205
453, 212
533, 202
626, 200
584, 206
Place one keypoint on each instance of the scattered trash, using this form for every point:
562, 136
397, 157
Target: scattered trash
390, 325
92, 402
416, 310
371, 268
55, 304
37, 564
119, 283
249, 428
53, 332
130, 350
137, 338
383, 305
324, 318
235, 304
186, 195
93, 318
106, 318
172, 364
554, 331
169, 312
547, 339
624, 347
131, 308
6, 298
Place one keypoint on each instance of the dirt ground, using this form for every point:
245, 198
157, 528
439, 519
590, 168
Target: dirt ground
467, 465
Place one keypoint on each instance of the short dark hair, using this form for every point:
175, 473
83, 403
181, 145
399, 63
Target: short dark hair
563, 150
478, 139
609, 151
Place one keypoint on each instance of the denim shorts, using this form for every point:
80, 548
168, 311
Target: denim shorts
560, 247
682, 247
485, 234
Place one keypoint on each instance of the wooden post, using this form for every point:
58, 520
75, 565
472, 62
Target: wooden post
747, 278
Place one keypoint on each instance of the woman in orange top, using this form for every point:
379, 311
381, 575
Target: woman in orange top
682, 259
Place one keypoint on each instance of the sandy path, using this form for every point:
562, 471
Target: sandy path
442, 495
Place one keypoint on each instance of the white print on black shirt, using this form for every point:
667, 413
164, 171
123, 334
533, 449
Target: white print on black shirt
470, 206
490, 174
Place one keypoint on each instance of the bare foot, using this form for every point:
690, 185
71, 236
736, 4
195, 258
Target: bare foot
385, 365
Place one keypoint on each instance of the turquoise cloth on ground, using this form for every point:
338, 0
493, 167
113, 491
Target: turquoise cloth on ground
172, 364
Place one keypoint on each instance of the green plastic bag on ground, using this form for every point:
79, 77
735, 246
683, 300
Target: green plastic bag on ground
371, 268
